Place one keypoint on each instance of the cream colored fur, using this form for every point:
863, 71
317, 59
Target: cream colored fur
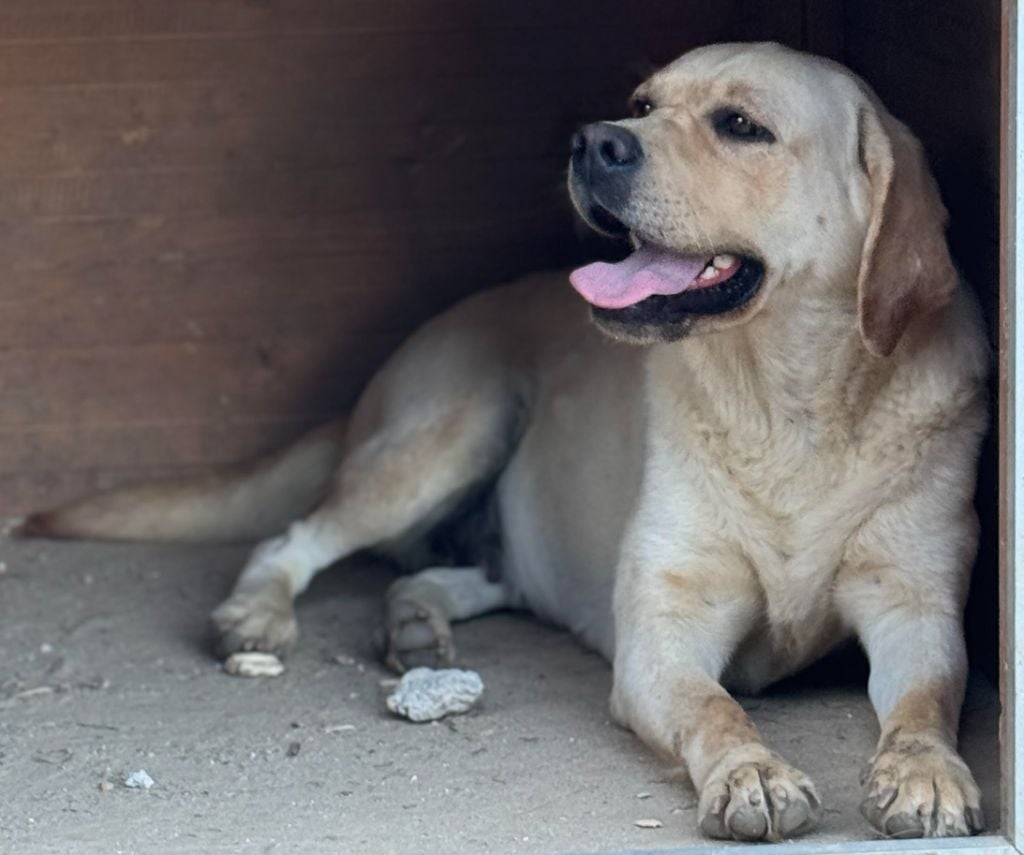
716, 512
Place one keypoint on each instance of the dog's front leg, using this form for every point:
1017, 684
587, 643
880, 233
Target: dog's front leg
676, 629
902, 587
917, 784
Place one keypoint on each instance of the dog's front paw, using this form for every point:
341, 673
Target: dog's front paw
919, 787
262, 619
752, 795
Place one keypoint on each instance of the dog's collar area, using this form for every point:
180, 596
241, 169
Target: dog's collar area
724, 294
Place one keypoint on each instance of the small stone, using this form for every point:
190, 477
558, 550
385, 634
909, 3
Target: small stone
294, 748
643, 795
31, 693
139, 780
424, 694
648, 823
253, 664
105, 786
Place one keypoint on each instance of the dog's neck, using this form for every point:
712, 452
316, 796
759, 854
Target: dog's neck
791, 365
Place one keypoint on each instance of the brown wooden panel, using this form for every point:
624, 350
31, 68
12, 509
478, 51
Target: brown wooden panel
214, 125
78, 20
253, 201
341, 56
254, 377
218, 217
192, 444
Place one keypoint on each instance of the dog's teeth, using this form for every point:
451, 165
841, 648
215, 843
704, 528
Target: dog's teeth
708, 272
724, 261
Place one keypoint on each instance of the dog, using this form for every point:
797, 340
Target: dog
753, 438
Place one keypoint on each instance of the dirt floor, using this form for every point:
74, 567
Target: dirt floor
105, 670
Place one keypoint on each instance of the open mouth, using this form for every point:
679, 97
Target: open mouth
654, 284
718, 294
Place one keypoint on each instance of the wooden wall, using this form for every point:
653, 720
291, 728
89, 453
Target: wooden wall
218, 216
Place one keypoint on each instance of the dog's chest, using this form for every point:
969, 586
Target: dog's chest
786, 494
777, 475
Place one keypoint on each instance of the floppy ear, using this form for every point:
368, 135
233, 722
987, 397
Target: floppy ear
905, 270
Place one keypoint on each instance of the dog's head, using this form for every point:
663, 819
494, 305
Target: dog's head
749, 170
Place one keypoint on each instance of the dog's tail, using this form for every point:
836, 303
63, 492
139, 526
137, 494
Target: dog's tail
238, 503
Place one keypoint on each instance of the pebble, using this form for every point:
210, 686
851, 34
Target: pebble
253, 664
139, 780
424, 694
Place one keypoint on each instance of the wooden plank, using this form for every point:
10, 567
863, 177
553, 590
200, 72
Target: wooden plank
239, 300
87, 252
80, 20
370, 55
184, 446
42, 487
310, 193
1010, 473
183, 381
988, 845
196, 126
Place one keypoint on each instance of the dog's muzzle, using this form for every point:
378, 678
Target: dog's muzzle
605, 159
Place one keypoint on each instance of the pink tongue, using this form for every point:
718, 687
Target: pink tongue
647, 271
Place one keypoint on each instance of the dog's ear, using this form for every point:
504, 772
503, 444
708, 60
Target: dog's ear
905, 270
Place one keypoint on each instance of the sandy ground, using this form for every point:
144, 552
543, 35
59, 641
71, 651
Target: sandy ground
104, 670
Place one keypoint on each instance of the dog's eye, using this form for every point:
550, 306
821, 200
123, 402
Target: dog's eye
641, 107
732, 124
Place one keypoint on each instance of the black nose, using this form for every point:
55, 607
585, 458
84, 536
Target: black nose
603, 147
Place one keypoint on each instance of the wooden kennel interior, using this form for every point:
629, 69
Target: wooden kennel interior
219, 216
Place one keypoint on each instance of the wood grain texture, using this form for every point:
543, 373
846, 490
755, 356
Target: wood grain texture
218, 217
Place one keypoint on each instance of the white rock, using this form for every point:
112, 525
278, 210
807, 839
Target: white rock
424, 694
139, 780
254, 665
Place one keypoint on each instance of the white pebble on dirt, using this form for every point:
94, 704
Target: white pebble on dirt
424, 694
253, 664
139, 780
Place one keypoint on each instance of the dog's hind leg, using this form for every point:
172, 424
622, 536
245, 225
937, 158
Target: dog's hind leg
404, 477
421, 608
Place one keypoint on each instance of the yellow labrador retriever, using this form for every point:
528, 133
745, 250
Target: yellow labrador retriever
786, 460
